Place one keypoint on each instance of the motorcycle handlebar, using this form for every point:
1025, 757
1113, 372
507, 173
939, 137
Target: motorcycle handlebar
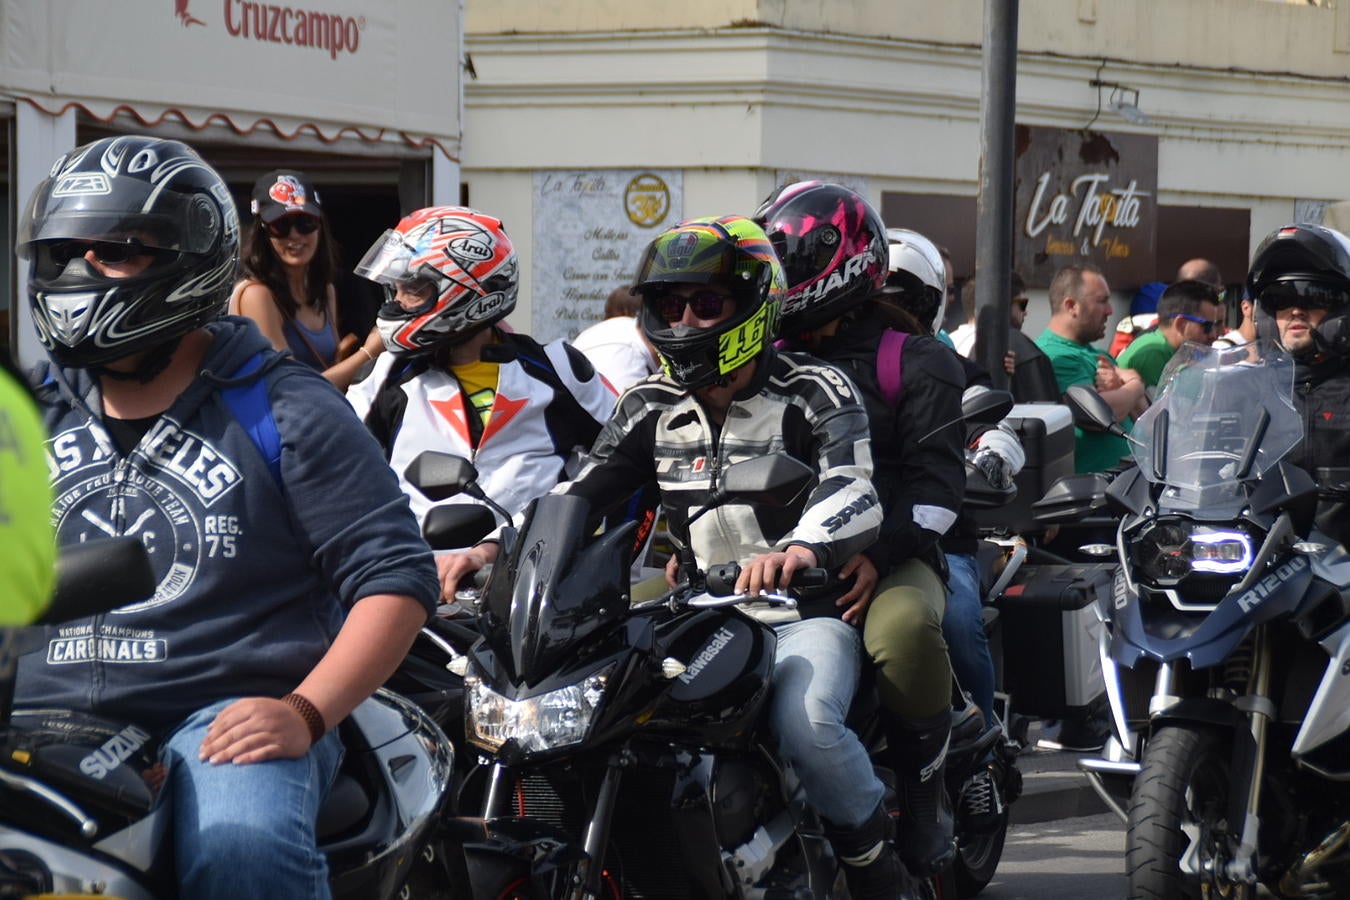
722, 579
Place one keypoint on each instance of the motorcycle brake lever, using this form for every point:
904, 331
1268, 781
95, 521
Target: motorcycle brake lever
708, 602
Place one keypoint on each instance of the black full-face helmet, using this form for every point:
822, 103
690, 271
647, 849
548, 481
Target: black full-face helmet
127, 197
833, 247
1306, 266
733, 253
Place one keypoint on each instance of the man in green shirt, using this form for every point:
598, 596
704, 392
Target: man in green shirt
27, 549
1187, 311
1080, 305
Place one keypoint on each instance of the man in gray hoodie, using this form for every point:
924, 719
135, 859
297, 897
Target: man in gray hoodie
292, 575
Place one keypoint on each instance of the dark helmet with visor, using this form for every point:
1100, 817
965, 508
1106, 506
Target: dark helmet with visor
125, 199
1306, 266
833, 247
732, 253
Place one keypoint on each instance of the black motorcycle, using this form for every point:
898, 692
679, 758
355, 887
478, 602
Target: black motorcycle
1229, 644
78, 812
621, 752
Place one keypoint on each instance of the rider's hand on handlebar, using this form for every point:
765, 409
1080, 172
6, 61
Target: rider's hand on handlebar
452, 567
771, 571
673, 570
859, 596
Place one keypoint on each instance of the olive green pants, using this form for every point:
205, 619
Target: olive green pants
903, 635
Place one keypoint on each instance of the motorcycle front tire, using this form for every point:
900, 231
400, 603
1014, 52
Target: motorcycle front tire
1184, 776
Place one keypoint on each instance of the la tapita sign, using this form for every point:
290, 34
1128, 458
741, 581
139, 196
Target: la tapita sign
1085, 196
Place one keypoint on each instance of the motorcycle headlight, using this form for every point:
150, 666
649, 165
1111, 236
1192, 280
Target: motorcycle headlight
1172, 549
548, 721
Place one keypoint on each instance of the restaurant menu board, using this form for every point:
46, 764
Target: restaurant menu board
590, 228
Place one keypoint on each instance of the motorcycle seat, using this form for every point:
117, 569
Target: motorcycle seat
346, 804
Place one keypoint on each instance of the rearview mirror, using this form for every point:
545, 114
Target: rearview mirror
440, 476
1090, 411
457, 525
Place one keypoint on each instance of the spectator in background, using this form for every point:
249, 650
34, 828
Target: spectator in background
1202, 270
951, 299
1245, 332
290, 268
1143, 316
1033, 376
616, 345
1188, 311
1080, 305
963, 335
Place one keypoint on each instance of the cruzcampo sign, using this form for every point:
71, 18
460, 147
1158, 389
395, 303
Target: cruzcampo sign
1085, 196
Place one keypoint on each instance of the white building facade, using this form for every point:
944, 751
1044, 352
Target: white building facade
584, 118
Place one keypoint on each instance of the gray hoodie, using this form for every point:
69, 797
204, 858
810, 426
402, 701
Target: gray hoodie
254, 577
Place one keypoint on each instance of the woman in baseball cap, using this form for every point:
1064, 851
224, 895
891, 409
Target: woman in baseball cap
290, 269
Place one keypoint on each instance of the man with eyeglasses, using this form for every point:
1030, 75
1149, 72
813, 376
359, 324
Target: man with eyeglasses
1300, 276
1187, 311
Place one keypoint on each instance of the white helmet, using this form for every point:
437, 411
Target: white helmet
916, 276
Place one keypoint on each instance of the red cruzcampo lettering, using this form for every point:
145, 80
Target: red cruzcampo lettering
295, 27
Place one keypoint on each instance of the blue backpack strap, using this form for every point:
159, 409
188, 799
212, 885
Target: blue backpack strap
253, 410
891, 366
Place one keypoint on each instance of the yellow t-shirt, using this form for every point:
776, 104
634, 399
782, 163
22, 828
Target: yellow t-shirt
27, 546
479, 382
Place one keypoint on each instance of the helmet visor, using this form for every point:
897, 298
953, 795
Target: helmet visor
1305, 293
699, 254
89, 206
393, 262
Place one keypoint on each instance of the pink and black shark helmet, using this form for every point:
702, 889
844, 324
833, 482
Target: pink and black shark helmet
832, 244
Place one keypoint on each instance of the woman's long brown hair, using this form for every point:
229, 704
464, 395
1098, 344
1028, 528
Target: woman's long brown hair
261, 263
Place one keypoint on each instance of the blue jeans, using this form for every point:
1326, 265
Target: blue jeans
247, 831
815, 675
963, 627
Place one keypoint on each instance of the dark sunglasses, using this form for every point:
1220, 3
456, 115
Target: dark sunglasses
1203, 323
281, 228
705, 304
110, 253
1020, 302
1304, 295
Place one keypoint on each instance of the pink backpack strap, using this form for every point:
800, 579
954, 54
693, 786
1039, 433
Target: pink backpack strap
890, 366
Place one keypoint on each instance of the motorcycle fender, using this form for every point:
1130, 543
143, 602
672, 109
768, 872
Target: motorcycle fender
500, 853
1204, 711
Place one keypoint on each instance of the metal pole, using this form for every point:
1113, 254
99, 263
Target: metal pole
994, 225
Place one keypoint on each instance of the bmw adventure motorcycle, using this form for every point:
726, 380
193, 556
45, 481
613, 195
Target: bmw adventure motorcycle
1229, 644
77, 793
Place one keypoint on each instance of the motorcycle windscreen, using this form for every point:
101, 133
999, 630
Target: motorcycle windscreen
1223, 416
559, 586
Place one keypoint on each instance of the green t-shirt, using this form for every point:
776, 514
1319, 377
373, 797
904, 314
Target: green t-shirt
1075, 363
1147, 354
27, 547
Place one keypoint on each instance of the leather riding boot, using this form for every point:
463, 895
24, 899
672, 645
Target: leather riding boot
867, 853
919, 751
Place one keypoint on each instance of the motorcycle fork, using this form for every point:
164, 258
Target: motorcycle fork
1260, 711
590, 871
